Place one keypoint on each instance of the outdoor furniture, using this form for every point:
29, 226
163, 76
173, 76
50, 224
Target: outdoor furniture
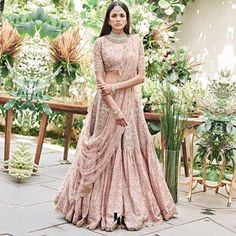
70, 110
195, 179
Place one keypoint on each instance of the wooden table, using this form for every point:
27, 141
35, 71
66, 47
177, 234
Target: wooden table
70, 110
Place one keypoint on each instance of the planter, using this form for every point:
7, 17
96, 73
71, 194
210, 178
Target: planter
171, 171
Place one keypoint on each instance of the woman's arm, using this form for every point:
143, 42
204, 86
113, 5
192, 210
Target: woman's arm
108, 88
138, 79
107, 98
99, 71
120, 119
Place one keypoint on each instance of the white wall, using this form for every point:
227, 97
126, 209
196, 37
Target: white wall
208, 31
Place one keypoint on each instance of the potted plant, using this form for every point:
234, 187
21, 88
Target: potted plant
170, 105
65, 55
21, 165
10, 44
216, 138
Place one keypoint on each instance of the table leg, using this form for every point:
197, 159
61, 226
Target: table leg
8, 126
69, 123
42, 130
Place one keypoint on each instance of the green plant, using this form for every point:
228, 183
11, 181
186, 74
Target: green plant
92, 14
10, 45
65, 56
170, 106
21, 165
31, 75
38, 21
216, 138
170, 8
2, 3
177, 66
64, 4
172, 117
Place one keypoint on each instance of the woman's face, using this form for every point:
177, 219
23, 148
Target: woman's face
117, 19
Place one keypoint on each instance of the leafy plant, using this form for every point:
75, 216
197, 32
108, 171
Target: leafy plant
168, 8
31, 75
172, 118
64, 4
172, 125
10, 44
216, 138
2, 3
92, 14
177, 66
65, 56
21, 165
38, 21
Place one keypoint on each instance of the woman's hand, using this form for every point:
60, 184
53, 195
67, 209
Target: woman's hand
121, 121
119, 117
106, 88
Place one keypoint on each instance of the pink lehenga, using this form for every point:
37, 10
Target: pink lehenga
115, 169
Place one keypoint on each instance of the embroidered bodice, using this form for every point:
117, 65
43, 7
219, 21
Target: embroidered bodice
110, 55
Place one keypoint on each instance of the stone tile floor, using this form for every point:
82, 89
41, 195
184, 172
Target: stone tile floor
26, 209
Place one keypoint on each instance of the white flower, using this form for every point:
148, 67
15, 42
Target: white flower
82, 79
73, 91
143, 27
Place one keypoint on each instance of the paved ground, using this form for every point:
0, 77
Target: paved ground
27, 208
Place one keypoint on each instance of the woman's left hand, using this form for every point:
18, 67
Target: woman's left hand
106, 88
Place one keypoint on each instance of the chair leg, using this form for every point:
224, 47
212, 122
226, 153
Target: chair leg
231, 188
191, 168
185, 158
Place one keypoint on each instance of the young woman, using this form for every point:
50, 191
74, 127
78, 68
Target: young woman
115, 177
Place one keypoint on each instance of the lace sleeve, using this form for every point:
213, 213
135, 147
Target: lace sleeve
141, 64
97, 57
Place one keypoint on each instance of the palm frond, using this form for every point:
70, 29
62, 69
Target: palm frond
10, 40
65, 47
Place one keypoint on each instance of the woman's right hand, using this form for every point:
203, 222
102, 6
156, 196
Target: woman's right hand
121, 120
119, 117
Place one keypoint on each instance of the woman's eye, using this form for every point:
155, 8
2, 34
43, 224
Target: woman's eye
113, 16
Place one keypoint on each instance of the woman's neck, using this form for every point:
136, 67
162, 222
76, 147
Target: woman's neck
117, 31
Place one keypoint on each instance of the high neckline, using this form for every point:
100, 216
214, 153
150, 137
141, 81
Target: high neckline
117, 38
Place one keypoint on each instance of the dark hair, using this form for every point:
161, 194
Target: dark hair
106, 28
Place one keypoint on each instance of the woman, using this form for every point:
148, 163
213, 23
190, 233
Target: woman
115, 177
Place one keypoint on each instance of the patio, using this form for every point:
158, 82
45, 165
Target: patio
27, 208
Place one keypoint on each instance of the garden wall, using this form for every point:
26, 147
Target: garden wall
208, 31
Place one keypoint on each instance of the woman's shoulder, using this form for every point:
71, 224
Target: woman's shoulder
99, 39
135, 37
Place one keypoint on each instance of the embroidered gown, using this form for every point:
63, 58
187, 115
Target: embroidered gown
115, 168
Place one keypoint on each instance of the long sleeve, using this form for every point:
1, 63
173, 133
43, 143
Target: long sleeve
141, 63
98, 62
